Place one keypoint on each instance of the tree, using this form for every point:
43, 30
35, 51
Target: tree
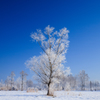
1, 83
18, 83
23, 78
12, 79
96, 85
64, 80
90, 85
29, 83
7, 82
83, 78
72, 81
49, 65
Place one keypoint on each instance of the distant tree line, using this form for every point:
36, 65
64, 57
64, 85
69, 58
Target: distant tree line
21, 83
67, 83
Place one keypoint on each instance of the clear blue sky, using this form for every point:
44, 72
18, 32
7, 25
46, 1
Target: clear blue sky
18, 18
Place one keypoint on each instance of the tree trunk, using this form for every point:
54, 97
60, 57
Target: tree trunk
22, 84
48, 93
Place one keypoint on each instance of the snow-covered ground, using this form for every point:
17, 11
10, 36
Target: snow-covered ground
41, 95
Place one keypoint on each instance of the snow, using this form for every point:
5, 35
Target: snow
41, 95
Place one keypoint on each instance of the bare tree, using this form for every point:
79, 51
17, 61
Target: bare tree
83, 78
23, 79
49, 65
12, 79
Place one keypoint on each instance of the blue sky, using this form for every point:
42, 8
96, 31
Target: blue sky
18, 18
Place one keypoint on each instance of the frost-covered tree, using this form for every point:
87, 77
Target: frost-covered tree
64, 81
12, 79
18, 83
1, 83
90, 86
83, 78
23, 79
29, 83
49, 65
71, 80
7, 82
96, 85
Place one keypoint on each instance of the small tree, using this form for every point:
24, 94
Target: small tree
90, 85
83, 78
96, 84
64, 80
1, 83
12, 79
72, 81
29, 83
49, 65
18, 83
23, 79
7, 82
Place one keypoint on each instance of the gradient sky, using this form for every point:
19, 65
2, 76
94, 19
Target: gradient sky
18, 18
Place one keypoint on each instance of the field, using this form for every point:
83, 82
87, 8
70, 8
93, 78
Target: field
41, 95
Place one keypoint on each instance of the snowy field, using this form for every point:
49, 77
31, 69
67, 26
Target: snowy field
41, 95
